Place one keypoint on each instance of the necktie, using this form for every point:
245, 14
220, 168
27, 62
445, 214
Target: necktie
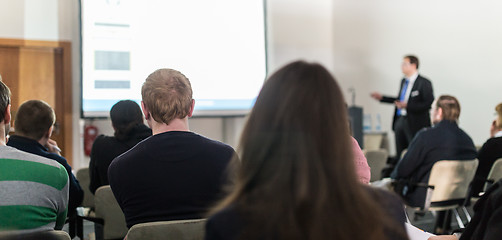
403, 94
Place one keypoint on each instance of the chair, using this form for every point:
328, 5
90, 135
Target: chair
39, 235
179, 230
108, 209
376, 160
85, 180
448, 187
375, 141
86, 211
495, 173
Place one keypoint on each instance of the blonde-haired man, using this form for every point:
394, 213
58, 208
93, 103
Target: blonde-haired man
174, 174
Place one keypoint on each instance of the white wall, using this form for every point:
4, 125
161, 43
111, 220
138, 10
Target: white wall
457, 42
361, 42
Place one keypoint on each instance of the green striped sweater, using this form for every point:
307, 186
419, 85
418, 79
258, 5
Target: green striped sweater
33, 191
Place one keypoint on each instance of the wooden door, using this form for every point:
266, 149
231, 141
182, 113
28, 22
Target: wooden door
40, 70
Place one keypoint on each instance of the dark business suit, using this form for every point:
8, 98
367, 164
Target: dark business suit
418, 105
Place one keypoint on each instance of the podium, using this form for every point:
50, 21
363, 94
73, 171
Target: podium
356, 124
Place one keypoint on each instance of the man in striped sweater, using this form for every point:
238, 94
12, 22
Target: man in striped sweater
33, 189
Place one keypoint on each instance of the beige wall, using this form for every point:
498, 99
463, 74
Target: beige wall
458, 43
361, 42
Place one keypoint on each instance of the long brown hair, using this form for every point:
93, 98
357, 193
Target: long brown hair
297, 178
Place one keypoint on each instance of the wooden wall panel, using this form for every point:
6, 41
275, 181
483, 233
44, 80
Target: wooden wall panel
41, 70
36, 75
9, 69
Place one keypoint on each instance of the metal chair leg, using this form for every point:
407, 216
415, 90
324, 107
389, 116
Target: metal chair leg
459, 220
466, 214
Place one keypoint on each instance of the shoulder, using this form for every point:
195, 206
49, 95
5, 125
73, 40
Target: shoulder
421, 78
44, 168
212, 144
103, 140
225, 224
386, 196
492, 143
389, 201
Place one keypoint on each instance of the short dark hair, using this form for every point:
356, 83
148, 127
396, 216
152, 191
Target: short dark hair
4, 99
450, 106
34, 118
125, 115
413, 60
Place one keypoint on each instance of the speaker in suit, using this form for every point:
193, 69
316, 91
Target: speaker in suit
412, 104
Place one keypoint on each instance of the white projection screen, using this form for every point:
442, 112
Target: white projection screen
218, 44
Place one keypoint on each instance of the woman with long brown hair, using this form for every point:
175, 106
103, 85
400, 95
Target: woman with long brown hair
297, 179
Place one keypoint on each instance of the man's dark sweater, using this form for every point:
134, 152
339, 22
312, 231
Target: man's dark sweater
34, 147
169, 176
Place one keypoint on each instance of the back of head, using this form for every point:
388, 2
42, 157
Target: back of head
297, 176
498, 109
125, 115
34, 118
449, 106
4, 99
167, 94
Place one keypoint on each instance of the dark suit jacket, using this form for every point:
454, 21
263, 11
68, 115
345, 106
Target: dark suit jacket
419, 103
444, 141
487, 155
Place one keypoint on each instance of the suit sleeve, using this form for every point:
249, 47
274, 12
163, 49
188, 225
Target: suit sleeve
391, 99
388, 99
411, 160
427, 97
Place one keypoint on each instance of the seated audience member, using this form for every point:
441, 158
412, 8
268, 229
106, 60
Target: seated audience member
444, 141
127, 121
174, 174
297, 179
34, 125
362, 168
486, 223
33, 189
488, 154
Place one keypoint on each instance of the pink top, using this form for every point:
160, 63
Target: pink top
362, 167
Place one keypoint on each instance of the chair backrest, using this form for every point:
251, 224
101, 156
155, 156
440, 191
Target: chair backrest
495, 172
109, 210
84, 179
180, 230
41, 235
376, 160
451, 179
373, 141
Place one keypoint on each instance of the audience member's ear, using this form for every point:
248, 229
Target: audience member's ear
440, 114
145, 110
49, 132
191, 108
7, 115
